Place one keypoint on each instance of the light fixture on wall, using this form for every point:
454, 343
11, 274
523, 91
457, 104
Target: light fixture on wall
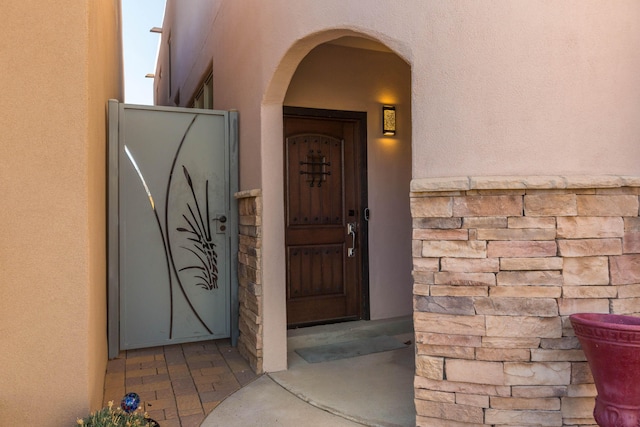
388, 120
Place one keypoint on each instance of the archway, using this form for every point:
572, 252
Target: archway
356, 74
346, 74
343, 70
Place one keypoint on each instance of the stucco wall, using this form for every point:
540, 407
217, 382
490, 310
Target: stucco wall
105, 81
542, 87
535, 87
60, 65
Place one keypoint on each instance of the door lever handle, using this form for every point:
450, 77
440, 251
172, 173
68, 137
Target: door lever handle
220, 218
351, 230
220, 227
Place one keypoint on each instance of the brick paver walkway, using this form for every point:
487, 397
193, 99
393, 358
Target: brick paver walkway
180, 384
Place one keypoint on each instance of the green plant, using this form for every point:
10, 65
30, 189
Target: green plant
115, 417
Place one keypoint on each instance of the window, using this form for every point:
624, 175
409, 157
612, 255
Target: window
169, 65
204, 94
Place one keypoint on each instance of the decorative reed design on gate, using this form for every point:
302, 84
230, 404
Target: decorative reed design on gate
199, 228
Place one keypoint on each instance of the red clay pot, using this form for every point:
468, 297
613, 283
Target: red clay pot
611, 343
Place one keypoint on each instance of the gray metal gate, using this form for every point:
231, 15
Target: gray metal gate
172, 226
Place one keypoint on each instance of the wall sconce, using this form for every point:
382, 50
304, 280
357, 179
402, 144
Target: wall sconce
388, 120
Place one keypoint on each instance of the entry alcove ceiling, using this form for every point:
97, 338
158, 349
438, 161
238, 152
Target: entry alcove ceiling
360, 43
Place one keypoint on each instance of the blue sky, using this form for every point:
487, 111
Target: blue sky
140, 47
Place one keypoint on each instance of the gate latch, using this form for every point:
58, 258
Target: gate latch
221, 219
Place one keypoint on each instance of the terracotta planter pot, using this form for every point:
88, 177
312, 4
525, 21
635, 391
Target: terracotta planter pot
612, 345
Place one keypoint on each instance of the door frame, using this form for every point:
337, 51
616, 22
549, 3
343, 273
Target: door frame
360, 118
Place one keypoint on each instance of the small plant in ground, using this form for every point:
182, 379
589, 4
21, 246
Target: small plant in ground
116, 417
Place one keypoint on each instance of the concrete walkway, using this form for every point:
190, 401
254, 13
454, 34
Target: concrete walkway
372, 390
265, 403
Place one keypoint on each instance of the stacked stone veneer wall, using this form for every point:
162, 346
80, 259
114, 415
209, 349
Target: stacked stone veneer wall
499, 265
250, 277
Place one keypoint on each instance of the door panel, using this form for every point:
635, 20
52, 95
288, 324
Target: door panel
172, 200
323, 177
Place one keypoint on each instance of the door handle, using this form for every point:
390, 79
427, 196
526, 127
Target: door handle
221, 228
351, 230
220, 218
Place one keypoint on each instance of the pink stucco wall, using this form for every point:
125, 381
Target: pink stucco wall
554, 81
61, 62
497, 88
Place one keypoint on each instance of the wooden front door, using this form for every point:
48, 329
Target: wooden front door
325, 230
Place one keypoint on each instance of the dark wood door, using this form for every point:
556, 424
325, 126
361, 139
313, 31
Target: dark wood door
325, 173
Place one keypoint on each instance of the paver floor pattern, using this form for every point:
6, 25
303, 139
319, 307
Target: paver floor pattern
178, 385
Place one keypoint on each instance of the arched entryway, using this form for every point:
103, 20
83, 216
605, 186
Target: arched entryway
341, 84
359, 75
346, 71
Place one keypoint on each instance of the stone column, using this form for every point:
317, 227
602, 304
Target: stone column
250, 277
